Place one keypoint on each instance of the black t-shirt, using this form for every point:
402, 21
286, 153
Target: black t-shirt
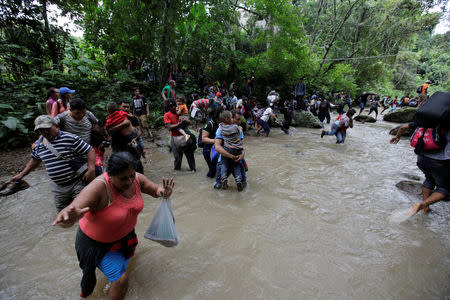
120, 142
248, 110
211, 128
250, 81
140, 105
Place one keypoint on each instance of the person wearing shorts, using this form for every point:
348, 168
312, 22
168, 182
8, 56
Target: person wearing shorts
107, 210
436, 168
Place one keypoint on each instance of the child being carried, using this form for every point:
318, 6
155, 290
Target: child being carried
232, 143
119, 119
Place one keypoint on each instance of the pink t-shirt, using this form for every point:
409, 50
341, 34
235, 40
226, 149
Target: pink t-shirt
115, 221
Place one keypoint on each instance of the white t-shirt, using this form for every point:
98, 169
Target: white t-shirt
266, 115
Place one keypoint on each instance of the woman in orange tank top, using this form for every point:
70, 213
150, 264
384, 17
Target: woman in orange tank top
107, 209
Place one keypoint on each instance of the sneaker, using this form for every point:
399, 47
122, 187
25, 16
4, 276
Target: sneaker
323, 133
218, 186
285, 130
240, 186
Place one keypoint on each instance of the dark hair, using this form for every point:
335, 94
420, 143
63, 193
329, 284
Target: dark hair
351, 112
122, 101
120, 162
77, 104
215, 113
135, 89
65, 97
50, 91
171, 102
235, 112
112, 107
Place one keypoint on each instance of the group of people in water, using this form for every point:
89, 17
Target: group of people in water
106, 204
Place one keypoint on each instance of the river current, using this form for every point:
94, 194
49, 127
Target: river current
313, 223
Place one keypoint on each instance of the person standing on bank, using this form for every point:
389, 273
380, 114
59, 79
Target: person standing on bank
58, 150
300, 91
168, 92
179, 146
63, 103
423, 88
141, 110
250, 84
107, 210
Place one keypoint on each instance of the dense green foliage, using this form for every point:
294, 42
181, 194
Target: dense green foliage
339, 45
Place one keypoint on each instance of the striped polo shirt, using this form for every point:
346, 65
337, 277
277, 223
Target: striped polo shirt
69, 146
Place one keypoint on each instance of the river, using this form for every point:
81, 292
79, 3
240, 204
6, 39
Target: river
313, 223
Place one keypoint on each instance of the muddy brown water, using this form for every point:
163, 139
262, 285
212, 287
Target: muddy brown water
312, 224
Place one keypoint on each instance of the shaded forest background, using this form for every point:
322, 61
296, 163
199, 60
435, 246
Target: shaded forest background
337, 45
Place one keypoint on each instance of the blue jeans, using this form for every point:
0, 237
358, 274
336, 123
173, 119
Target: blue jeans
211, 165
219, 168
235, 167
340, 135
264, 125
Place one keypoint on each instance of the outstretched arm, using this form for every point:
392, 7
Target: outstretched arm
151, 188
400, 131
30, 166
92, 197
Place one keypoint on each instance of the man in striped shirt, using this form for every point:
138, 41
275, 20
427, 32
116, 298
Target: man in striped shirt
66, 184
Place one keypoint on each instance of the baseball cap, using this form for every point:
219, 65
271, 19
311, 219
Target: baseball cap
218, 94
44, 121
65, 90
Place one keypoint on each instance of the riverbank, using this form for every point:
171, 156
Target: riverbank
13, 161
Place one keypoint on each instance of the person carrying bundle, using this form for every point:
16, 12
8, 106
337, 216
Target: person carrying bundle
431, 143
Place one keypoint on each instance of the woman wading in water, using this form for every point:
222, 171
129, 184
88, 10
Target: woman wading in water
107, 209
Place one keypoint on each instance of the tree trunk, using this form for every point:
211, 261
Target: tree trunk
53, 52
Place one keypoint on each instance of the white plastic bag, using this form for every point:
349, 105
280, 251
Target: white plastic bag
162, 229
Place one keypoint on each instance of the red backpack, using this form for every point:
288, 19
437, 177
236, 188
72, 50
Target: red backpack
428, 139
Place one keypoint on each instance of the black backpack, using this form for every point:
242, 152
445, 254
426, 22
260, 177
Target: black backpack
419, 89
434, 112
199, 138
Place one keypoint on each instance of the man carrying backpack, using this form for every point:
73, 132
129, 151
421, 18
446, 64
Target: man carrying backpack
423, 88
324, 110
435, 164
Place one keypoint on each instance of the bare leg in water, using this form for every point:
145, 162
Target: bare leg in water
428, 198
119, 288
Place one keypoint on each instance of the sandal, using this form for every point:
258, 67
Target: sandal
13, 187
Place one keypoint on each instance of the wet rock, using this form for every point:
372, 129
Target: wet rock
365, 118
407, 133
411, 176
305, 119
300, 119
161, 143
403, 115
411, 187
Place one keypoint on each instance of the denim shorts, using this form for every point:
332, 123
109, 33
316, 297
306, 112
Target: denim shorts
437, 174
113, 265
